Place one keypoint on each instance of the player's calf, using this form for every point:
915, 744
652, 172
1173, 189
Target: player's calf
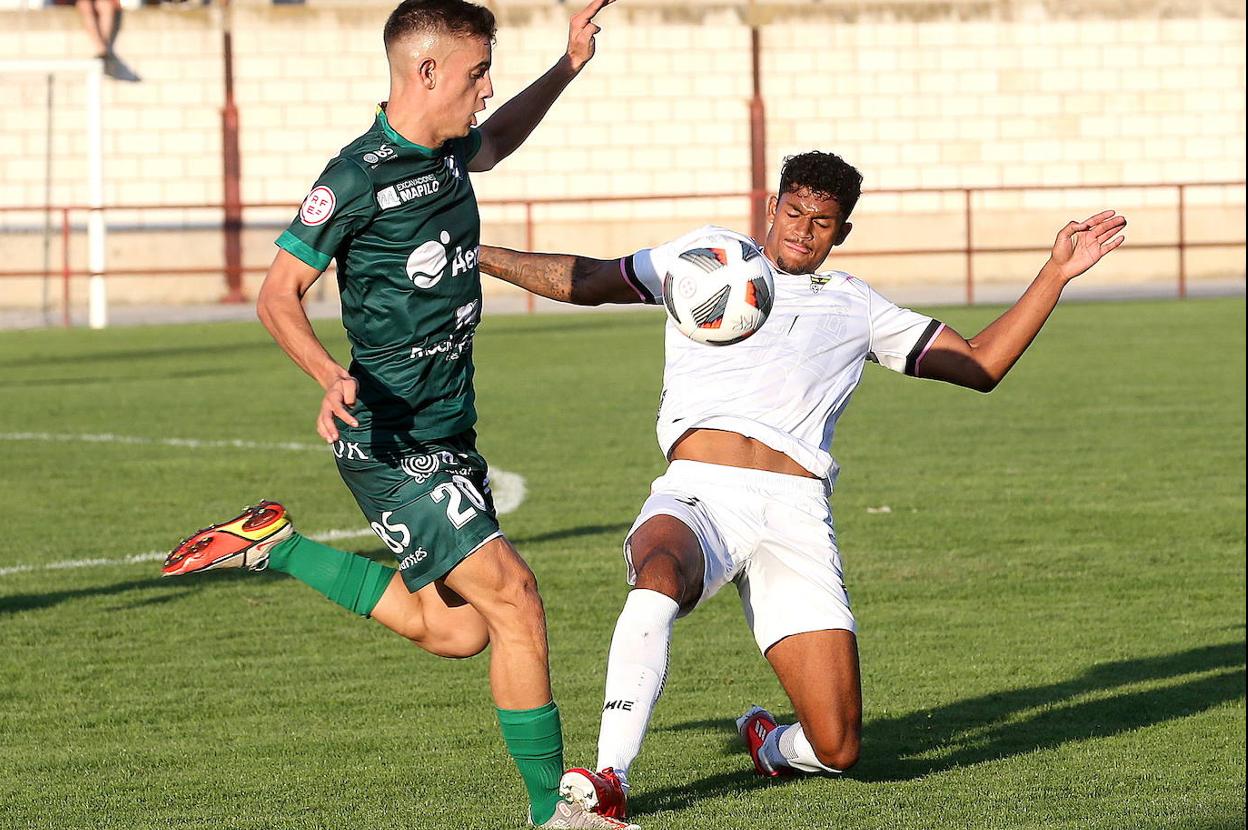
434, 618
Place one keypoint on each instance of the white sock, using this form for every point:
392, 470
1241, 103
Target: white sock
788, 746
636, 672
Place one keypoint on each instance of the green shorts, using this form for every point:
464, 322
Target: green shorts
429, 501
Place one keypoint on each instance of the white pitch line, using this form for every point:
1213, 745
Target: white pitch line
191, 443
153, 555
507, 488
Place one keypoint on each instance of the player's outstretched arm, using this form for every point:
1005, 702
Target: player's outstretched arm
981, 362
507, 128
280, 308
564, 277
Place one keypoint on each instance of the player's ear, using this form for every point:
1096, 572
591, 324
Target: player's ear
843, 233
772, 204
426, 71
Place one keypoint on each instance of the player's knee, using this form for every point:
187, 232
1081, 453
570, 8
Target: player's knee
661, 569
457, 645
455, 641
517, 605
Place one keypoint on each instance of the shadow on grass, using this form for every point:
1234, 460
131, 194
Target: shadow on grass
1017, 721
572, 533
1013, 722
17, 603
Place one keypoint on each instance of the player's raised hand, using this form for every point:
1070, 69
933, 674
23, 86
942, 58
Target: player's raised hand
1080, 245
581, 33
338, 400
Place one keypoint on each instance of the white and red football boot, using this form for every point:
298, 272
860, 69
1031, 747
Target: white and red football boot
754, 727
599, 792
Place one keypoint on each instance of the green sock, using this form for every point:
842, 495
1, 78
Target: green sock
535, 740
354, 582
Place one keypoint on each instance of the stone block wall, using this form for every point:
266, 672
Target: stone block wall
945, 94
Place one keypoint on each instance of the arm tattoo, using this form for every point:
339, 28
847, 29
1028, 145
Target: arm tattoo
546, 275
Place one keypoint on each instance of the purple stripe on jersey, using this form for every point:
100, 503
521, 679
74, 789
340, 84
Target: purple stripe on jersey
630, 277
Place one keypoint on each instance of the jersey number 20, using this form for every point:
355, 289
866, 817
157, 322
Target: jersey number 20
456, 511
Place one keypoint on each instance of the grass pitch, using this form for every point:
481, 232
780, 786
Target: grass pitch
1052, 607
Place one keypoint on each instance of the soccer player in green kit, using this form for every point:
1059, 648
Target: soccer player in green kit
397, 211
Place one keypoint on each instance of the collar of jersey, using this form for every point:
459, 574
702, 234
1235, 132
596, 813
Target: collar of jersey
398, 139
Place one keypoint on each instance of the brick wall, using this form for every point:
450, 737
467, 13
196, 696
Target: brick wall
948, 94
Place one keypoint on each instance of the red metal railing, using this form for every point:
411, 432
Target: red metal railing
969, 249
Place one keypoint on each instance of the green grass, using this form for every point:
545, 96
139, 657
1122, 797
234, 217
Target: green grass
1052, 614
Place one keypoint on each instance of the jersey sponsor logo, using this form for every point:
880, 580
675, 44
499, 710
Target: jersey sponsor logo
403, 534
317, 206
423, 467
453, 347
466, 318
387, 198
413, 559
464, 260
453, 166
382, 153
467, 314
406, 191
427, 264
349, 450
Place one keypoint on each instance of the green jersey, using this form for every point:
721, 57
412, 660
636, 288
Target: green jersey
402, 222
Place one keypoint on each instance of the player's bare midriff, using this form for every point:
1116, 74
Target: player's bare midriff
715, 446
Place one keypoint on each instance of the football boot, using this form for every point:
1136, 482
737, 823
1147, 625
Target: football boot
754, 727
241, 542
570, 815
599, 792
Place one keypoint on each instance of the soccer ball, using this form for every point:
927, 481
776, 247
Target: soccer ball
719, 289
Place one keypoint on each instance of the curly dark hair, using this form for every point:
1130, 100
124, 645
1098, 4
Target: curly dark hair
826, 175
456, 17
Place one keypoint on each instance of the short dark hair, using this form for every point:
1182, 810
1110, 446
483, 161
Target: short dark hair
456, 17
826, 175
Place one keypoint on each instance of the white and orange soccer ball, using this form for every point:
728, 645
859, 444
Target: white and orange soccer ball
719, 289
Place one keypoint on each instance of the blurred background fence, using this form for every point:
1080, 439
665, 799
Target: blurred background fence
981, 127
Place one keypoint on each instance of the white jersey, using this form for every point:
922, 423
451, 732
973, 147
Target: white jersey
786, 385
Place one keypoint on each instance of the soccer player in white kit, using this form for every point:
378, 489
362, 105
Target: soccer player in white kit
747, 430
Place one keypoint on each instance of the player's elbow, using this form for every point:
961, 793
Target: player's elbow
586, 296
265, 306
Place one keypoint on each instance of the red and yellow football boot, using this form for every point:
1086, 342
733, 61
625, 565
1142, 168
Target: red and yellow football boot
241, 542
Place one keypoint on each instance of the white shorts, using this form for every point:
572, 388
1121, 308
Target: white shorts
769, 533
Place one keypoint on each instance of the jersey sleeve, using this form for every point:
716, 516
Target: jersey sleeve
339, 205
899, 337
645, 270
